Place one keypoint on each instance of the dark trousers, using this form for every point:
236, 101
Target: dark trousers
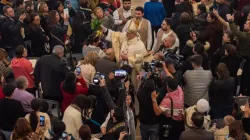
149, 131
220, 112
177, 127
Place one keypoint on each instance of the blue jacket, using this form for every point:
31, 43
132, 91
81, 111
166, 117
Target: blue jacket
154, 12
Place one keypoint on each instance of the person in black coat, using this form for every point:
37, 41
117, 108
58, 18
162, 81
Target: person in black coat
81, 29
183, 31
200, 19
57, 31
227, 39
50, 70
11, 31
10, 109
197, 49
38, 37
231, 60
221, 93
213, 33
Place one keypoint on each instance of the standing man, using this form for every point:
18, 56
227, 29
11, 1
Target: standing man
50, 70
142, 25
123, 14
11, 31
163, 33
128, 48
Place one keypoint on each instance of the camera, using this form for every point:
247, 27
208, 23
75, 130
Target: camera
166, 130
97, 77
177, 59
154, 66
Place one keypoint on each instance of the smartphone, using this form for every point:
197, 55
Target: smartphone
191, 30
66, 12
78, 71
42, 120
120, 73
64, 134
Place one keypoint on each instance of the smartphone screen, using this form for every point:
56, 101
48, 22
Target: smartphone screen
120, 73
66, 12
64, 135
42, 120
78, 71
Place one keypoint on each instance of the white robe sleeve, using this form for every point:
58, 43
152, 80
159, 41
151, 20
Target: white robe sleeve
117, 18
125, 28
149, 44
109, 35
155, 47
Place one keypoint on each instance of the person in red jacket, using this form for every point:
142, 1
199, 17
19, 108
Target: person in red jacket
71, 87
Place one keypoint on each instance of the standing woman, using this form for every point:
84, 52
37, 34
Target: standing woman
71, 87
38, 37
34, 119
151, 9
213, 33
221, 93
58, 32
43, 11
5, 67
88, 66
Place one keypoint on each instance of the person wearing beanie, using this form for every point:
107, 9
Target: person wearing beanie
173, 100
202, 106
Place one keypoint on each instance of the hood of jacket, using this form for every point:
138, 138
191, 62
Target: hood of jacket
17, 62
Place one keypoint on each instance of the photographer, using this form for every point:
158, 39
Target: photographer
170, 70
172, 123
149, 126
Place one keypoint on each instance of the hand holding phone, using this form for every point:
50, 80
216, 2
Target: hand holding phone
42, 121
78, 71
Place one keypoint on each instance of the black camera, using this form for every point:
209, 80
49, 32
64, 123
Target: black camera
153, 67
97, 77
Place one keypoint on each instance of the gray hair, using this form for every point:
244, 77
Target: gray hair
58, 49
21, 82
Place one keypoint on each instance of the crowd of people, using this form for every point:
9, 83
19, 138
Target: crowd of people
172, 69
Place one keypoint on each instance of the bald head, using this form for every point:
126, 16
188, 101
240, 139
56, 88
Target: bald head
110, 54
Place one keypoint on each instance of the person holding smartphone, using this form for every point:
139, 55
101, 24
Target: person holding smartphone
73, 85
39, 121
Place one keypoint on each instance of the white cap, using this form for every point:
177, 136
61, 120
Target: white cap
202, 106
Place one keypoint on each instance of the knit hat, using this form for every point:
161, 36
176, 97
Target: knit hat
202, 106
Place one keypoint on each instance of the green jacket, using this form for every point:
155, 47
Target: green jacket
244, 40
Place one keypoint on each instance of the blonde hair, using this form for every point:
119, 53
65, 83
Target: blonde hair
90, 58
41, 7
97, 8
